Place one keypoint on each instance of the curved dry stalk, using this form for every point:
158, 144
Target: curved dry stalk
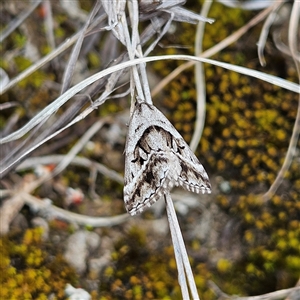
32, 162
280, 294
281, 46
265, 31
247, 5
213, 50
51, 211
293, 27
52, 108
200, 81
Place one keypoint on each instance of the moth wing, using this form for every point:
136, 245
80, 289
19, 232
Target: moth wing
149, 183
193, 176
146, 181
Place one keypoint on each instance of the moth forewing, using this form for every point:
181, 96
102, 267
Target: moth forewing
156, 159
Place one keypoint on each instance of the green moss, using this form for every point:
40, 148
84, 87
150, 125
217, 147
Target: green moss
147, 276
27, 271
19, 40
35, 80
247, 129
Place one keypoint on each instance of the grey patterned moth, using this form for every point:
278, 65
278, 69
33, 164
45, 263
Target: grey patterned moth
156, 159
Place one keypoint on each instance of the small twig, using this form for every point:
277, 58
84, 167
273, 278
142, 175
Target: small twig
11, 122
161, 34
13, 205
8, 212
51, 211
6, 161
218, 292
292, 294
92, 187
7, 105
78, 161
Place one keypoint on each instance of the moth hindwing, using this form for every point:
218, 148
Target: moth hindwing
156, 159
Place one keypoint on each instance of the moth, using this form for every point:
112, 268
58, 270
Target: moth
156, 159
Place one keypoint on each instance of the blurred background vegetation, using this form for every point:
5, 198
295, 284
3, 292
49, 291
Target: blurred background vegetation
250, 247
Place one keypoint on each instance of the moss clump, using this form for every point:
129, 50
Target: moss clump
247, 130
27, 271
139, 272
270, 235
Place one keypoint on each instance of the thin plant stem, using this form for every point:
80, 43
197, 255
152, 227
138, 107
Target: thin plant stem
200, 81
294, 24
180, 246
16, 22
178, 258
136, 46
61, 48
213, 50
131, 54
265, 32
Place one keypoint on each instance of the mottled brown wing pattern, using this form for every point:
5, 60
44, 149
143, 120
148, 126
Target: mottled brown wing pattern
152, 183
156, 159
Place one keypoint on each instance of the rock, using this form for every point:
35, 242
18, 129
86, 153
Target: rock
79, 245
76, 294
92, 241
96, 265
